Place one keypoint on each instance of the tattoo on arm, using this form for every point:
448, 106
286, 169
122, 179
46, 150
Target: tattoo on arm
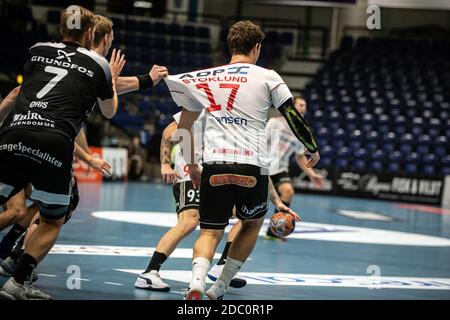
273, 194
166, 149
167, 143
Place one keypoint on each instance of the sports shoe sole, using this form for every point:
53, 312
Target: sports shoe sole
235, 282
211, 298
153, 289
6, 296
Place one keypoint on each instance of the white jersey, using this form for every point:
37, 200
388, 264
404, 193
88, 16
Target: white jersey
237, 98
181, 167
282, 144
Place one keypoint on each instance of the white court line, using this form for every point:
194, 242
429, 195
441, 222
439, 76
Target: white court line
114, 283
47, 275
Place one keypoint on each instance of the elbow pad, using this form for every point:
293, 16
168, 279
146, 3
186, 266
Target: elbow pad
299, 126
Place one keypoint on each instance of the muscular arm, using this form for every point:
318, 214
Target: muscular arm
301, 162
82, 141
108, 107
82, 155
8, 103
127, 84
298, 125
273, 194
167, 143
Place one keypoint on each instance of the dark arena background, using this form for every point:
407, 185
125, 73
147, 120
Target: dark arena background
375, 75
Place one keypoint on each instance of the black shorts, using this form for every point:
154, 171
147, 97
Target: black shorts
186, 197
74, 200
224, 186
280, 178
43, 159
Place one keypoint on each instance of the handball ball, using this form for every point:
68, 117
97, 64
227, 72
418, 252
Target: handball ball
282, 224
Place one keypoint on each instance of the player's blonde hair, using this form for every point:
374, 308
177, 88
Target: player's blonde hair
243, 36
75, 21
103, 26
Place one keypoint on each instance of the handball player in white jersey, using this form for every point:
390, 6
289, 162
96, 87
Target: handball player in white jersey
237, 98
187, 200
282, 144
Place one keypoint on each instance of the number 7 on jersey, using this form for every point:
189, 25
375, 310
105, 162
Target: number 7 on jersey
213, 105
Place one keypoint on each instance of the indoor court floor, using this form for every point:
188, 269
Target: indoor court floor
344, 249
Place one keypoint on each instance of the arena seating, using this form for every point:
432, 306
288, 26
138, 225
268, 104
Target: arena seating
383, 105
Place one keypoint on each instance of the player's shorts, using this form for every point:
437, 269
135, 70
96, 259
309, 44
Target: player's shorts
74, 200
280, 178
43, 159
186, 197
224, 186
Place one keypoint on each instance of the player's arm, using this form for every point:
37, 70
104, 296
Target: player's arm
140, 82
81, 140
8, 103
97, 164
316, 178
186, 122
301, 130
168, 174
279, 205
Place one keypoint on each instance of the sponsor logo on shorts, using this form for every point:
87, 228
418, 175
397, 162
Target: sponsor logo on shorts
35, 154
250, 212
236, 179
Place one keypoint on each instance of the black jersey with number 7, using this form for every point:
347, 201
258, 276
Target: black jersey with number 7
62, 82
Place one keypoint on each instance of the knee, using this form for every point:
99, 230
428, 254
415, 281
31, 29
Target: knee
18, 210
188, 222
250, 225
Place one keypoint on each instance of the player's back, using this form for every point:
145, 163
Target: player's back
61, 84
237, 98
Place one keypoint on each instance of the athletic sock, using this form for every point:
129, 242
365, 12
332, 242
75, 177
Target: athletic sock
9, 239
224, 256
200, 267
156, 261
25, 265
230, 269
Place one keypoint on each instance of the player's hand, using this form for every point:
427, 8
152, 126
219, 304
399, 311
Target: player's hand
100, 165
196, 174
281, 207
313, 159
116, 63
316, 179
169, 175
157, 73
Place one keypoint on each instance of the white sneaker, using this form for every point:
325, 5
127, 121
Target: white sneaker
216, 271
151, 281
12, 290
217, 291
196, 289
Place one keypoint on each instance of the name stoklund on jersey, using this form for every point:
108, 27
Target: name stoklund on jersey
64, 64
32, 119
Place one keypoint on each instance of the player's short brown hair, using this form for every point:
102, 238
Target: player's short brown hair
103, 26
243, 36
299, 97
75, 21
